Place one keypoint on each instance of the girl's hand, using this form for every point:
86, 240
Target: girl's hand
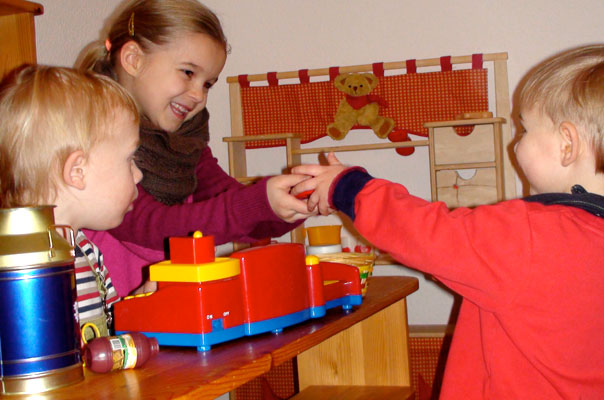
147, 287
284, 204
323, 176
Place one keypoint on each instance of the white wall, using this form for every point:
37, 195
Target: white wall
270, 35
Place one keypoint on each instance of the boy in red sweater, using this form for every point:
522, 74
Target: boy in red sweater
530, 270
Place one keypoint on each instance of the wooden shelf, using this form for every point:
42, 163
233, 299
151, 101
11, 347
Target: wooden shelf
361, 147
8, 7
462, 122
326, 149
483, 152
256, 138
449, 167
355, 393
385, 259
246, 180
183, 372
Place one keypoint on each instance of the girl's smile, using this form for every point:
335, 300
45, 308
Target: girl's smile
180, 111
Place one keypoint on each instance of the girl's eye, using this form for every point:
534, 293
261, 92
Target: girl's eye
208, 85
188, 73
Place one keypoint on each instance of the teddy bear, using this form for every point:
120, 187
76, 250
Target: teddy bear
359, 106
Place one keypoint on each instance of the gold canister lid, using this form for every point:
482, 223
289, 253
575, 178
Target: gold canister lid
29, 237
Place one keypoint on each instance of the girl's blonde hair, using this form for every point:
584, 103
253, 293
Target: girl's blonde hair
149, 22
570, 87
46, 113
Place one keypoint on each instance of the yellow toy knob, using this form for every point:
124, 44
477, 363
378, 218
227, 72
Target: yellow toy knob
197, 234
312, 260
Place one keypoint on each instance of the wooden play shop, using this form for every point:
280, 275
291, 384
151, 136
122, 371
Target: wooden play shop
447, 109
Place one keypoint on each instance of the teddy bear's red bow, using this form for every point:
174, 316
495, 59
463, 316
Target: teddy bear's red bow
357, 102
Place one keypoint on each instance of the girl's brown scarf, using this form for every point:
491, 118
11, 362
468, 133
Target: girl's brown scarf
168, 160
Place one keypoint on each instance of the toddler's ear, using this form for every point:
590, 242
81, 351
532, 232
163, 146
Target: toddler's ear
570, 144
74, 170
131, 57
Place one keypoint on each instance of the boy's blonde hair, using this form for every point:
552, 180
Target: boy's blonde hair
570, 87
46, 113
150, 22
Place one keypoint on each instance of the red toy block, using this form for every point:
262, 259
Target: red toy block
192, 250
274, 281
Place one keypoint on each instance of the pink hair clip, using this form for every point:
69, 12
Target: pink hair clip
108, 45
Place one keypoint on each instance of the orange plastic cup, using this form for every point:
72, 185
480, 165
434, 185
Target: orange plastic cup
324, 235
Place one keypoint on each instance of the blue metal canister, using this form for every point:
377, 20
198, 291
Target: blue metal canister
39, 331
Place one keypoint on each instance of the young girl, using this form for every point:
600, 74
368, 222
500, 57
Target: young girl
68, 138
168, 54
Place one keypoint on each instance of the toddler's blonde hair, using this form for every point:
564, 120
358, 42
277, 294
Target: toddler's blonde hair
570, 87
46, 113
149, 22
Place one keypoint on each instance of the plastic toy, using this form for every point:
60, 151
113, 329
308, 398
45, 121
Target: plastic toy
359, 107
202, 300
304, 195
105, 354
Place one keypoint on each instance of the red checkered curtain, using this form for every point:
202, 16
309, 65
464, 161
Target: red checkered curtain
307, 108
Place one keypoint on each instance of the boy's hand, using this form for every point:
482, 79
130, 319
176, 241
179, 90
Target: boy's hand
284, 204
323, 176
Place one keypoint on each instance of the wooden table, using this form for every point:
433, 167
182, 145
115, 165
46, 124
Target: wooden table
367, 346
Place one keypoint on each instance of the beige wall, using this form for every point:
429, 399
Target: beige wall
278, 35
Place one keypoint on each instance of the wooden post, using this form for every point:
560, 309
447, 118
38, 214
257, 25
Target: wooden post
291, 145
502, 106
17, 34
497, 132
433, 187
237, 159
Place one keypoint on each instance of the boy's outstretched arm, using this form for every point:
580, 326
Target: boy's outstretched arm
322, 179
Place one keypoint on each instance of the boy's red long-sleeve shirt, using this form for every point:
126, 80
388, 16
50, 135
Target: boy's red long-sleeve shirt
532, 279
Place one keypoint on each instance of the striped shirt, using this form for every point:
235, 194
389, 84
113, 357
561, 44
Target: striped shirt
94, 287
